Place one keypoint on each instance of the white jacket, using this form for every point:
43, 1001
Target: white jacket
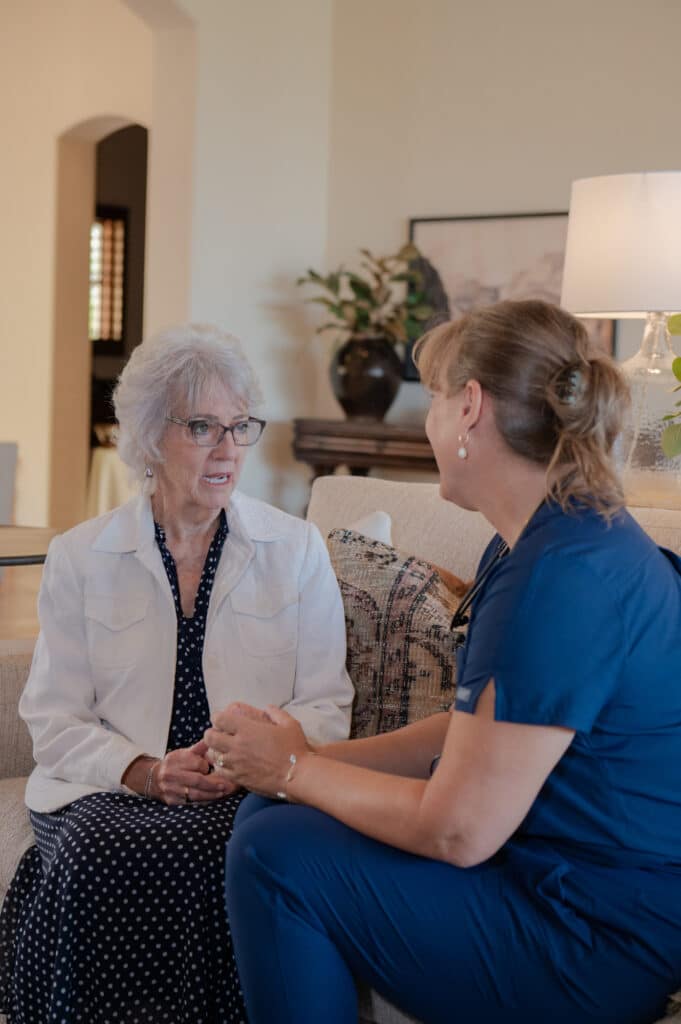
100, 690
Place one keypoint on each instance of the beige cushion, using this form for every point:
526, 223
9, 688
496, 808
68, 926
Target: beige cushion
674, 1007
16, 752
401, 654
377, 525
374, 1009
434, 529
423, 523
17, 834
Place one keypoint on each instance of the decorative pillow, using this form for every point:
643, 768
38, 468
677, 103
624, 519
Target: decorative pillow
401, 653
377, 526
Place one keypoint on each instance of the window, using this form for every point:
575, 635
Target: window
107, 275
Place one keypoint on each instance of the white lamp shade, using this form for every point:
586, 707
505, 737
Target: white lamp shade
623, 251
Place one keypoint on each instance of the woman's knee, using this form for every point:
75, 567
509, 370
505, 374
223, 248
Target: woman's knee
250, 806
280, 844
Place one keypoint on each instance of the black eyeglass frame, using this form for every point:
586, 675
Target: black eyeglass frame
231, 428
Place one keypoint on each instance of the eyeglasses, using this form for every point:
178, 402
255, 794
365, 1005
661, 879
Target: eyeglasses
208, 433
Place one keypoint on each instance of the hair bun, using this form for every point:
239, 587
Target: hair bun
558, 400
570, 383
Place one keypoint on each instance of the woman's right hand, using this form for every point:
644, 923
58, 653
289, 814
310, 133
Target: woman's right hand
184, 776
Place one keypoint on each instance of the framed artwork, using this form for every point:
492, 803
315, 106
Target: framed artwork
475, 261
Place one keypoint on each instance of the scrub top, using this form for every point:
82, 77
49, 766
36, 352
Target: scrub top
580, 626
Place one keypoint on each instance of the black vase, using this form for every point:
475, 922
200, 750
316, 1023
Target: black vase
365, 376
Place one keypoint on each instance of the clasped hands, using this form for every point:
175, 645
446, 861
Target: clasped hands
246, 747
252, 748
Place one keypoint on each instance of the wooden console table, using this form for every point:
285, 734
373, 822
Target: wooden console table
360, 445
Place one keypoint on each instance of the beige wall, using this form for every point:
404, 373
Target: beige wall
170, 171
323, 125
465, 108
60, 65
491, 107
260, 203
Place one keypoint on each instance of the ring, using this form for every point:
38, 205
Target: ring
216, 758
187, 798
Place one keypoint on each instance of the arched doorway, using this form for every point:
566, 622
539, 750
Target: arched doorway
90, 94
72, 352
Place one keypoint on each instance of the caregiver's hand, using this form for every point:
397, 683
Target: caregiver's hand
253, 748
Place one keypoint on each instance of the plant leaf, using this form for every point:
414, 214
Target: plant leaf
414, 329
334, 282
361, 289
408, 252
314, 276
421, 312
671, 440
333, 307
394, 327
676, 367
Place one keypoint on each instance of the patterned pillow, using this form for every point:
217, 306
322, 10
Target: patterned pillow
401, 654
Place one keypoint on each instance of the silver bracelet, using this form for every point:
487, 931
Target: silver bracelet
293, 761
150, 778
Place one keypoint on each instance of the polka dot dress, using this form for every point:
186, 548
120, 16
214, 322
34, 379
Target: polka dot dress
191, 716
117, 914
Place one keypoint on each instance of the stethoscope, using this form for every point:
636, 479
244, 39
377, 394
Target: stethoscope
461, 618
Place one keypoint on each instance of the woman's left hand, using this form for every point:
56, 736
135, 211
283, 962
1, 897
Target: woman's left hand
253, 748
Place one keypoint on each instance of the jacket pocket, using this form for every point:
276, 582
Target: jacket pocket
267, 621
117, 632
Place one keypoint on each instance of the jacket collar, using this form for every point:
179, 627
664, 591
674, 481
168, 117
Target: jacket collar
131, 527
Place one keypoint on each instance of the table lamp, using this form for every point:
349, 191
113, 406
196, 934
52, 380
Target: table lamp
623, 260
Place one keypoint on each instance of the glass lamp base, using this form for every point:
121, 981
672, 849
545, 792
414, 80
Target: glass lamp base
649, 477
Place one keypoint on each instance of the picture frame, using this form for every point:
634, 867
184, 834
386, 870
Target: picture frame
473, 261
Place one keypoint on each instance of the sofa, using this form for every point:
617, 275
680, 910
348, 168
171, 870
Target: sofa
421, 524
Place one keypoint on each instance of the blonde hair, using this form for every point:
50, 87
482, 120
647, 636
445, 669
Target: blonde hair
558, 400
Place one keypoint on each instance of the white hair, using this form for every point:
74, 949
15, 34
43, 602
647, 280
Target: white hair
169, 372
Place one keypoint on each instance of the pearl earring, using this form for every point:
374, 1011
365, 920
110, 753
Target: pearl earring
462, 451
148, 472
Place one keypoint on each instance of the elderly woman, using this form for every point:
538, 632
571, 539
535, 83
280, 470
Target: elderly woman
535, 874
153, 618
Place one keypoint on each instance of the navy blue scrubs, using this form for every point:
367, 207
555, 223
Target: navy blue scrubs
578, 917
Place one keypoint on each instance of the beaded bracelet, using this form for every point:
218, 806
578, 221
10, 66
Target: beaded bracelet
150, 777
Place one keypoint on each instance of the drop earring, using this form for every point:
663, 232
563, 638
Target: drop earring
462, 450
148, 472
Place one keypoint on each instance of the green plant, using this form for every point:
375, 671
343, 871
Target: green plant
387, 300
671, 435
